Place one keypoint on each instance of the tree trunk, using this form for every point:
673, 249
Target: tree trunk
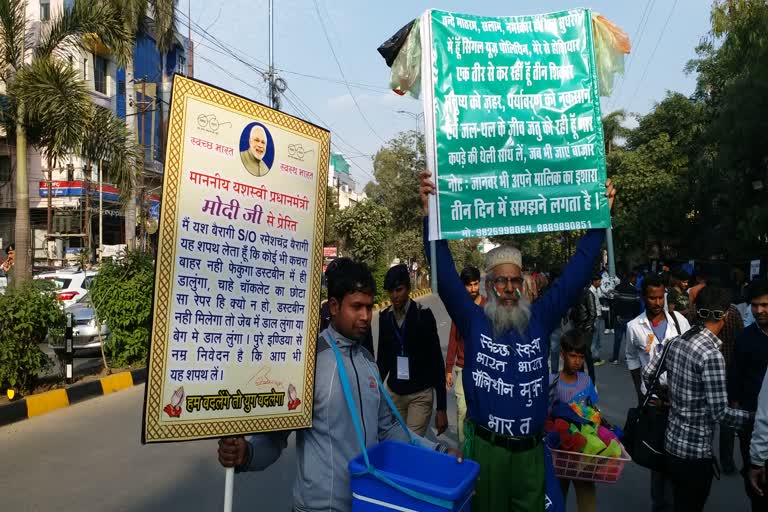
130, 121
22, 268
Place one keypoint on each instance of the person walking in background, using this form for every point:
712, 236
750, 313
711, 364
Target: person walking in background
698, 401
583, 318
608, 286
677, 298
748, 367
646, 335
626, 306
454, 362
597, 343
409, 356
734, 324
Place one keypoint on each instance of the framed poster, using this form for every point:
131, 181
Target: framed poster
237, 284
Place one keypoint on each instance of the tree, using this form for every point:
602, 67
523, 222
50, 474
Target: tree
48, 103
163, 26
330, 237
732, 84
363, 229
613, 129
396, 168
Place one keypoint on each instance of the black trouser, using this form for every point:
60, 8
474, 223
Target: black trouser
691, 482
608, 316
588, 356
759, 503
727, 437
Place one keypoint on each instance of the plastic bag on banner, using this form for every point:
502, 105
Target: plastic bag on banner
553, 497
611, 44
406, 68
391, 47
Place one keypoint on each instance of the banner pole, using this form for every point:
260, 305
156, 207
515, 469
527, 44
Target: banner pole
611, 254
433, 265
229, 488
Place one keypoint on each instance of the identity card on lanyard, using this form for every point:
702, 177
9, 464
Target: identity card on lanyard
403, 372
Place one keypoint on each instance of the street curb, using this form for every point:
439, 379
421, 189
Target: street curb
43, 403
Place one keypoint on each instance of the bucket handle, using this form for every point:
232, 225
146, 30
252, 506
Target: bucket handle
369, 469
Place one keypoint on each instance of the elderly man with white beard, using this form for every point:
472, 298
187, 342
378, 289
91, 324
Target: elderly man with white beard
505, 368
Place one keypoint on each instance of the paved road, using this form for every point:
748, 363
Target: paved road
89, 457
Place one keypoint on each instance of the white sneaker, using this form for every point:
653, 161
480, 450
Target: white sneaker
605, 331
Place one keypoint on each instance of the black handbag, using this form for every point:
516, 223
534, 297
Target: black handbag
646, 426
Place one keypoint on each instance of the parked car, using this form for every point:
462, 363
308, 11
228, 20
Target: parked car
85, 330
71, 283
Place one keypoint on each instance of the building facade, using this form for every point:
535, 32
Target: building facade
73, 185
343, 183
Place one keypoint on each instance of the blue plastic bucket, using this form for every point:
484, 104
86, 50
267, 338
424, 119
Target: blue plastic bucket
426, 471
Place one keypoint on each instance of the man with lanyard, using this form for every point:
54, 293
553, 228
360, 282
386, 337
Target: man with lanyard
646, 335
409, 356
746, 375
506, 372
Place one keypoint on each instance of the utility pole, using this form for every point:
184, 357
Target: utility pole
101, 210
87, 217
190, 51
140, 211
277, 86
273, 100
50, 212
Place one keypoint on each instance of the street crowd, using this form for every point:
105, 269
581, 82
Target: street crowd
521, 344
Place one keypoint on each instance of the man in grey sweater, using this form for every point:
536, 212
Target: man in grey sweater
323, 451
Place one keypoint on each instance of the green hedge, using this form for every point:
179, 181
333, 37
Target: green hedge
122, 297
28, 311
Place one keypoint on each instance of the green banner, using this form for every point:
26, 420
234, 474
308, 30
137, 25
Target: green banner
514, 130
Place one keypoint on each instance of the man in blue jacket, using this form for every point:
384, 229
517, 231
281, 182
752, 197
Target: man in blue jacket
323, 451
505, 367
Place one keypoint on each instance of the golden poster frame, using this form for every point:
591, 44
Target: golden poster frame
153, 430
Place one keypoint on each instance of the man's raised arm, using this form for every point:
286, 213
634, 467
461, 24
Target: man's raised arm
451, 290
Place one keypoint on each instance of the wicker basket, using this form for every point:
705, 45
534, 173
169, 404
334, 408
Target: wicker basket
593, 468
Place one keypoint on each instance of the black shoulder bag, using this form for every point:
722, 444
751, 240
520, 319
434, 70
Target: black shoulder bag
646, 426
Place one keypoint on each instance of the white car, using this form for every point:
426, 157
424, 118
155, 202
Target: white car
71, 283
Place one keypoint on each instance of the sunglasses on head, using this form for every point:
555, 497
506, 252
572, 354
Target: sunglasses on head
714, 314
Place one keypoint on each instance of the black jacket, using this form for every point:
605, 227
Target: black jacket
426, 368
626, 302
748, 366
584, 313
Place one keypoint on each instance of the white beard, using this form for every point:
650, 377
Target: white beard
505, 319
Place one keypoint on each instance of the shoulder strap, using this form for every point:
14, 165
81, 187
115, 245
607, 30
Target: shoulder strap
353, 412
677, 324
659, 370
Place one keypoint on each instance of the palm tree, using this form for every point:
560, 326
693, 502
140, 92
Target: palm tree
163, 25
613, 129
49, 103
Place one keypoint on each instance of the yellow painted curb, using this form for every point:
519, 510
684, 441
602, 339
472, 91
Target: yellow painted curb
116, 382
46, 402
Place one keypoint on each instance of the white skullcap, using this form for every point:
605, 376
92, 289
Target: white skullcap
501, 255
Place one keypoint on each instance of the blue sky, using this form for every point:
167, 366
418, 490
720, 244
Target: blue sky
356, 28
